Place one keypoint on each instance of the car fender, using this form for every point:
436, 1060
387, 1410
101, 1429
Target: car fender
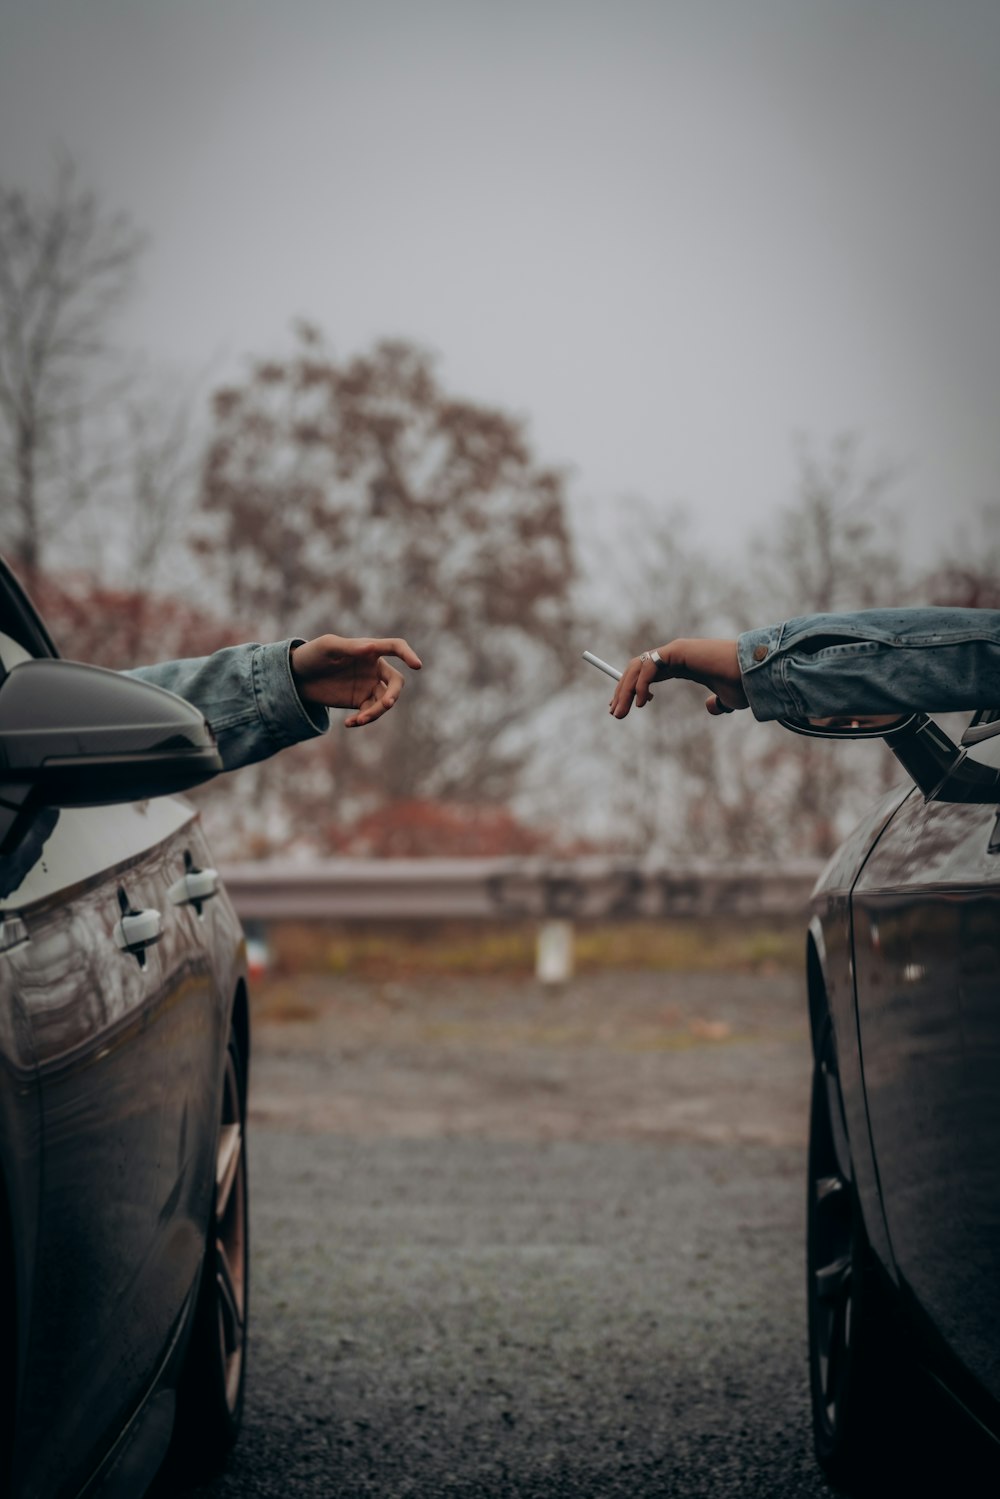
830, 970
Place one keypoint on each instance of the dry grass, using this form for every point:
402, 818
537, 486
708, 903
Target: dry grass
371, 950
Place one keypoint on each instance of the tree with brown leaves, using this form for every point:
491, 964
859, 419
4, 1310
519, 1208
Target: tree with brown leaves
357, 494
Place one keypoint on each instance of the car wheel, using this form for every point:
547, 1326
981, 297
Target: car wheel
853, 1376
8, 1346
210, 1391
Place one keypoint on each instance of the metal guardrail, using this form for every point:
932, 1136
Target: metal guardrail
589, 888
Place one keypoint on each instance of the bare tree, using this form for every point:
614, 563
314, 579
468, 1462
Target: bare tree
969, 576
132, 527
831, 548
718, 788
65, 265
669, 778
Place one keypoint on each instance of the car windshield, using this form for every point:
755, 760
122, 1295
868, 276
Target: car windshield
985, 724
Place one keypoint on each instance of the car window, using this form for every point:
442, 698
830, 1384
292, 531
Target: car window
985, 725
79, 844
986, 751
11, 652
19, 621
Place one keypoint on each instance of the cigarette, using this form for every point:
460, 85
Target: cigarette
611, 671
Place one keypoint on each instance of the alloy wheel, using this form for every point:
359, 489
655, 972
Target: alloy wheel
230, 1234
833, 1246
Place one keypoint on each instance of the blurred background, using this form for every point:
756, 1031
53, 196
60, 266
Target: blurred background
517, 330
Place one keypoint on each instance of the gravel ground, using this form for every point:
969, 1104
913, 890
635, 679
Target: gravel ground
639, 1056
510, 1243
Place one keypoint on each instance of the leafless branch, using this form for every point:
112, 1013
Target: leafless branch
65, 266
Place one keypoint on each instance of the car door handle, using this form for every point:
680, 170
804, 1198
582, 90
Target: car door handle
138, 930
12, 932
993, 847
195, 886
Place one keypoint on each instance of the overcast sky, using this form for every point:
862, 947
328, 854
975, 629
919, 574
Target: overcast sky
669, 234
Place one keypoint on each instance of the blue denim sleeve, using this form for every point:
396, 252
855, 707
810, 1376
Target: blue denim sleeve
249, 697
874, 661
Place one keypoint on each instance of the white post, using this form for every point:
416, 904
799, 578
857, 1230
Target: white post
554, 952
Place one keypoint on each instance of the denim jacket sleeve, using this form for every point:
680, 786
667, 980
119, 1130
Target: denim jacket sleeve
875, 661
249, 697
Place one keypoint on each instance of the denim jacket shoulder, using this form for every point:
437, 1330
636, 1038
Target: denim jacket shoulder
873, 661
248, 695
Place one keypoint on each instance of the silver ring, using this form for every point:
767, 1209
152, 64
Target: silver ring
653, 656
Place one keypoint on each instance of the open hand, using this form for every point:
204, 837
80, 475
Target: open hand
713, 663
342, 673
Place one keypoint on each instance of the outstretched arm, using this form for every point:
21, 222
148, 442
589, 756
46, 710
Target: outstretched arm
260, 699
870, 662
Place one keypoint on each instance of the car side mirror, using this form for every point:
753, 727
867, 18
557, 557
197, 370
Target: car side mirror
941, 770
855, 726
80, 736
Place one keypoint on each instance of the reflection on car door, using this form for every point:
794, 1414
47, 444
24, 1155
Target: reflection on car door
113, 1037
927, 953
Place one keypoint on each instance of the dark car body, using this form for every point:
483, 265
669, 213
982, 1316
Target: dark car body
904, 991
113, 1081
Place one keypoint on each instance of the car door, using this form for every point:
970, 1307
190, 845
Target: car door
118, 1042
926, 914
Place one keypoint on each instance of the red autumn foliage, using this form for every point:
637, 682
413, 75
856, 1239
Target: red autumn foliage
421, 829
121, 628
964, 587
359, 495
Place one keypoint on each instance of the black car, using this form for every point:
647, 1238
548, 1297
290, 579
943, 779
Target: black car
904, 1161
124, 1044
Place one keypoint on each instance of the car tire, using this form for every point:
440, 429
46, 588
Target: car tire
8, 1347
856, 1383
211, 1386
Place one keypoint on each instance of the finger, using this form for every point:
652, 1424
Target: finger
392, 680
638, 678
382, 699
386, 694
393, 646
716, 705
621, 698
371, 709
366, 716
625, 691
647, 671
